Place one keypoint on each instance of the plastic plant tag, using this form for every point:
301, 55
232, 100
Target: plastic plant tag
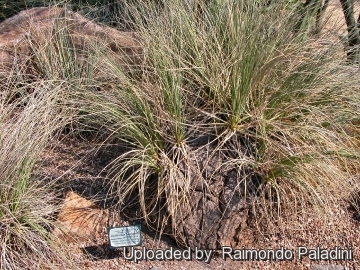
125, 236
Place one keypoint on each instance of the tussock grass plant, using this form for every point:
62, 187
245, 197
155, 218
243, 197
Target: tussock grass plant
236, 120
68, 60
27, 205
56, 56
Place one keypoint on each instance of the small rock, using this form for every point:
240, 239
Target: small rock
327, 267
80, 218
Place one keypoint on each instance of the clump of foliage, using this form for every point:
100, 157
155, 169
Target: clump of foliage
28, 120
33, 110
233, 116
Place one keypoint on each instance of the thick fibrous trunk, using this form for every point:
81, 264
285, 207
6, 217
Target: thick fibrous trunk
353, 30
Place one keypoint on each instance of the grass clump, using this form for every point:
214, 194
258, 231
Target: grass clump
234, 121
27, 205
31, 115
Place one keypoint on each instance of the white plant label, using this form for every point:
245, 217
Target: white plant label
126, 236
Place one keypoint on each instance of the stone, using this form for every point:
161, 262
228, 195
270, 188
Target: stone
80, 219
